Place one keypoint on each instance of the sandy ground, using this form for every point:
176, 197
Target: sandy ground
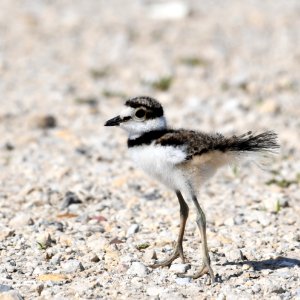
77, 220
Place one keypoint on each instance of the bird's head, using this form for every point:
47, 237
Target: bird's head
141, 114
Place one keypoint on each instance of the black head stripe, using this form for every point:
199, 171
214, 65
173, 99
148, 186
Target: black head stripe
154, 108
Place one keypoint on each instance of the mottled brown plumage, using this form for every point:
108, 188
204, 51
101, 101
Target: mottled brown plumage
198, 143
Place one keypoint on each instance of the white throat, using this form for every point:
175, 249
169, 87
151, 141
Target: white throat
136, 128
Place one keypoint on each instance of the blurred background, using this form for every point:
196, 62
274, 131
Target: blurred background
68, 66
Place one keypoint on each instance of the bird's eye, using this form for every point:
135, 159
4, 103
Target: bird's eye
140, 113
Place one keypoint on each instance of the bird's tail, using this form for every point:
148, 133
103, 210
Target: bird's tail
263, 142
256, 147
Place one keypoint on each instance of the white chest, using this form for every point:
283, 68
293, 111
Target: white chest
160, 162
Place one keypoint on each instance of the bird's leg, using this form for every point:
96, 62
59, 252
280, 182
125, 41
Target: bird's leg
184, 213
201, 222
178, 251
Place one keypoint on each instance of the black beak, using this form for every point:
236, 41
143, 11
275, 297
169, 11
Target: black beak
114, 121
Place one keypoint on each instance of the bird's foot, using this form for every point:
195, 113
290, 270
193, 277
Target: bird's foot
178, 252
204, 269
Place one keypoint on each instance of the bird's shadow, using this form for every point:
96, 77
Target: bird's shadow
268, 264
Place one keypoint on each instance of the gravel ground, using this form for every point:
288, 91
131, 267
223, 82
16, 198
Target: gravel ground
77, 220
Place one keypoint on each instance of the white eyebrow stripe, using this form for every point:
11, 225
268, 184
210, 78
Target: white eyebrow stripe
127, 112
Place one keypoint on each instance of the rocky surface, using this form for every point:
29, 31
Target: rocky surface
77, 220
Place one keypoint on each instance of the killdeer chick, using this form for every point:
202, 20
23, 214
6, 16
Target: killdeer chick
183, 160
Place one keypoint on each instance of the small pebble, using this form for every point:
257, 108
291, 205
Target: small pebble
134, 228
150, 254
229, 222
183, 281
44, 240
45, 122
55, 260
95, 259
256, 288
234, 255
138, 269
179, 268
171, 10
5, 288
72, 266
70, 198
8, 146
246, 267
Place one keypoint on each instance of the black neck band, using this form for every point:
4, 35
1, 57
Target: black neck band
147, 138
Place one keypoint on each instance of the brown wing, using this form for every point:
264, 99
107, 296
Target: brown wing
196, 142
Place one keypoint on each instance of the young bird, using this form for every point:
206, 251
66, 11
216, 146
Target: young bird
183, 160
